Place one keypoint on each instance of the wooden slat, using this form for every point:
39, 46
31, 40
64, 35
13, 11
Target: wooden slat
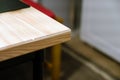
27, 30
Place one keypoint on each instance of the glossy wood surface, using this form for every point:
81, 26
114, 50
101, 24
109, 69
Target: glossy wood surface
28, 30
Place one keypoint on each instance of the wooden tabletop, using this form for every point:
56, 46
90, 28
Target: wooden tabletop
28, 30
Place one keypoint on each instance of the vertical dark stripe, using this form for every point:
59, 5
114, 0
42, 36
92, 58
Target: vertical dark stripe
38, 67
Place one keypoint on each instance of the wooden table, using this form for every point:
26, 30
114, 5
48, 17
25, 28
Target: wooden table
26, 32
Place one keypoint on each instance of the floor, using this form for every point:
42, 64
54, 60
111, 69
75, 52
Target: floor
78, 63
93, 58
73, 68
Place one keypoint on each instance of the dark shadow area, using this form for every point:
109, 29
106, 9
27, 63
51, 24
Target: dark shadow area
19, 72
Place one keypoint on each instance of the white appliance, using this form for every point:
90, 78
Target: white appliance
100, 26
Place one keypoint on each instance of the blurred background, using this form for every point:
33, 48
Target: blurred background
94, 50
93, 53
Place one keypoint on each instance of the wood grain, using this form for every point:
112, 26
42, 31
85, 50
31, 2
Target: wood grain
27, 30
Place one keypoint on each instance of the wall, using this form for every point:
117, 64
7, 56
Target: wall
60, 7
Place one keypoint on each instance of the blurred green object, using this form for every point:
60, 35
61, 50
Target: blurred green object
10, 5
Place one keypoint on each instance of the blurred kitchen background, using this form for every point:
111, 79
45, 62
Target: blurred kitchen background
93, 53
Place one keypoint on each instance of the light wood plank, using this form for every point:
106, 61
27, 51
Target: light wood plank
27, 30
